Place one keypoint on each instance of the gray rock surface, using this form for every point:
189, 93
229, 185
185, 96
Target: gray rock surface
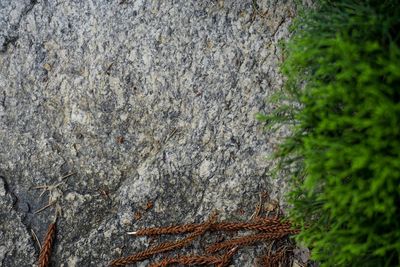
143, 100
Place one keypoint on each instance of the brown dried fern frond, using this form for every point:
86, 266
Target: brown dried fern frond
45, 252
189, 260
164, 247
250, 226
219, 261
267, 228
246, 241
260, 224
169, 230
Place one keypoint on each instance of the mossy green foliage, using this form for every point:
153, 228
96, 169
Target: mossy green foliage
342, 102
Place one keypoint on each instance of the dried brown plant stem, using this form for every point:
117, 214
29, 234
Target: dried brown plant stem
257, 211
256, 226
67, 175
169, 230
261, 224
45, 207
49, 188
45, 252
189, 260
36, 239
219, 261
246, 240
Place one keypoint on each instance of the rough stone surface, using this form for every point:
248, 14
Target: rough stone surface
144, 101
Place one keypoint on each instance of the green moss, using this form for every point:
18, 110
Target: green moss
342, 103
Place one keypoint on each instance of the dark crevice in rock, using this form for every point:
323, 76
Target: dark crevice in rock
29, 7
12, 38
7, 41
3, 100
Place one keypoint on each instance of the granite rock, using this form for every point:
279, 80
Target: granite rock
147, 102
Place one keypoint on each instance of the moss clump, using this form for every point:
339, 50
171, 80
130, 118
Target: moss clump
342, 102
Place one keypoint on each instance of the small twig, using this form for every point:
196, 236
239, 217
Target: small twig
50, 187
47, 188
45, 207
257, 210
68, 175
36, 239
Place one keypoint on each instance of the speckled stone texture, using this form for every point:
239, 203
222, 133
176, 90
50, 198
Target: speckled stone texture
146, 101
